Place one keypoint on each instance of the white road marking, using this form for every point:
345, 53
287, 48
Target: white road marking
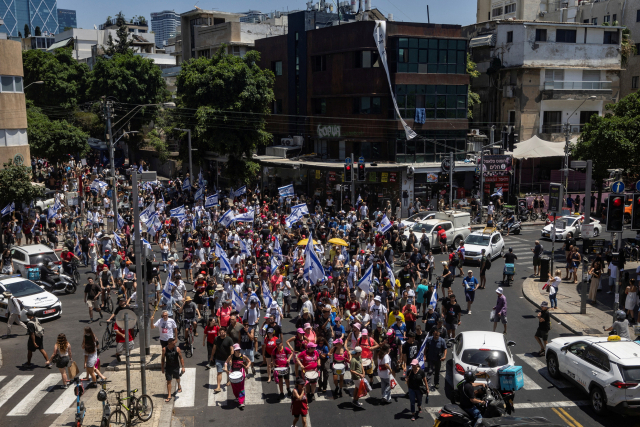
541, 367
186, 398
211, 395
12, 387
433, 410
253, 392
63, 402
37, 394
529, 384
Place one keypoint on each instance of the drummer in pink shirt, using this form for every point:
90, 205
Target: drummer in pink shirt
309, 335
308, 362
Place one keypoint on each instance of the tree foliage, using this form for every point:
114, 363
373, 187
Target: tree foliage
16, 185
65, 79
27, 31
54, 139
123, 43
38, 32
474, 98
232, 97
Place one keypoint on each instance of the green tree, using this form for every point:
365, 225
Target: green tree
123, 43
65, 80
27, 31
132, 80
38, 32
474, 98
611, 141
232, 97
54, 139
16, 185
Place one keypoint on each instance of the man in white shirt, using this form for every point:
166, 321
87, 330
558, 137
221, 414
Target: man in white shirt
180, 290
378, 311
306, 304
364, 211
613, 274
167, 326
14, 312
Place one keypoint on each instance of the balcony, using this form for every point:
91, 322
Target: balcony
562, 85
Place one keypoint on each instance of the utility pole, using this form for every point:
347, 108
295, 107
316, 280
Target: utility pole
353, 184
188, 131
585, 242
451, 167
114, 195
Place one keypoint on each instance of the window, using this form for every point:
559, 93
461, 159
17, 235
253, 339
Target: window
234, 50
509, 36
585, 116
606, 18
610, 37
10, 84
443, 56
597, 358
565, 36
552, 122
594, 21
367, 105
510, 8
634, 82
439, 101
277, 106
541, 35
553, 75
319, 63
319, 105
496, 12
578, 348
585, 21
638, 15
367, 59
615, 17
276, 67
512, 117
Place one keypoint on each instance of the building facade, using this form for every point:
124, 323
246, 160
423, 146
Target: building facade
67, 19
163, 25
35, 14
14, 145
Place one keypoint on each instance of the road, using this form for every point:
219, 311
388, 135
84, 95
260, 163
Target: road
33, 397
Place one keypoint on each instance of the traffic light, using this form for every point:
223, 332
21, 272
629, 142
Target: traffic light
615, 213
635, 212
348, 172
513, 138
476, 183
361, 176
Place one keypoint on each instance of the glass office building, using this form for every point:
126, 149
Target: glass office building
163, 24
33, 13
66, 19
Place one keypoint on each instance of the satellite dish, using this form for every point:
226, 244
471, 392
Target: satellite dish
132, 318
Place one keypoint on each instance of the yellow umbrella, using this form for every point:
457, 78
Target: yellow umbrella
303, 242
340, 242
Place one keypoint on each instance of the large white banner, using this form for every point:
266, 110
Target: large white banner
380, 35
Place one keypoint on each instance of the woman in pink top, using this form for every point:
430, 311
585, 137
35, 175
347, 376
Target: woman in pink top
276, 279
309, 335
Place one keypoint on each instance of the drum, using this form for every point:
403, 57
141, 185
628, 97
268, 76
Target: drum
367, 365
311, 376
338, 368
282, 372
236, 377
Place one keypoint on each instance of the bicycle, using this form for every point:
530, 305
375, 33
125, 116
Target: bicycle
206, 311
177, 317
142, 407
80, 409
108, 337
188, 337
106, 409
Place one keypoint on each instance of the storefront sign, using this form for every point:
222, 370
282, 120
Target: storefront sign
432, 177
332, 176
317, 174
487, 187
498, 179
497, 165
392, 176
373, 177
384, 177
329, 131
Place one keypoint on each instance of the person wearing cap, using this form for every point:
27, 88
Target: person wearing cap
416, 379
395, 313
544, 325
409, 350
378, 311
357, 373
219, 296
410, 311
237, 362
470, 284
281, 357
339, 355
268, 346
500, 310
299, 344
190, 310
306, 305
308, 361
430, 318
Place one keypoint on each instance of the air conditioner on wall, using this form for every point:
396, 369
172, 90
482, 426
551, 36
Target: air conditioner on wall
475, 132
286, 141
575, 129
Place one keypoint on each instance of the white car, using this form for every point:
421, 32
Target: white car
491, 241
470, 350
28, 256
570, 224
33, 297
417, 217
609, 371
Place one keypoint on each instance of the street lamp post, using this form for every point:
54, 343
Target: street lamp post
114, 196
190, 162
39, 82
567, 130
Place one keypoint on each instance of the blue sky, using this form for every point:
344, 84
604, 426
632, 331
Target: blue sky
462, 12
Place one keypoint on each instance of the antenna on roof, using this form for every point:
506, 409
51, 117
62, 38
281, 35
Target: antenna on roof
196, 7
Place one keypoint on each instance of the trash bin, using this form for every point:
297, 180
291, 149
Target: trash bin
545, 263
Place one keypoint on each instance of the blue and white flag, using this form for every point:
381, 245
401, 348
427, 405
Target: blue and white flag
199, 194
297, 212
178, 211
366, 283
257, 190
35, 224
11, 207
266, 294
420, 355
385, 225
186, 185
117, 239
237, 302
359, 199
98, 185
227, 218
243, 248
240, 191
211, 201
200, 180
148, 212
277, 250
121, 222
248, 216
77, 249
434, 298
313, 270
146, 244
498, 192
140, 170
51, 212
150, 220
225, 265
275, 263
286, 191
392, 277
57, 204
157, 225
167, 291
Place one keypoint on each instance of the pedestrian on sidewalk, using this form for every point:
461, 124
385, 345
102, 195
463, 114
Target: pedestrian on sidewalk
595, 272
613, 274
553, 289
544, 325
537, 251
575, 258
631, 301
36, 339
171, 362
500, 311
90, 347
14, 307
568, 246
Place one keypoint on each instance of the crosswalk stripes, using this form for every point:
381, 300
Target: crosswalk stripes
541, 368
188, 395
31, 400
213, 398
63, 402
253, 391
12, 387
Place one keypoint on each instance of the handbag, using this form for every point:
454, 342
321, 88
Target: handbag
73, 370
492, 316
55, 359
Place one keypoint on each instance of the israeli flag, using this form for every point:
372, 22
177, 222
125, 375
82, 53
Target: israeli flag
167, 291
11, 207
237, 302
240, 191
420, 355
150, 220
392, 277
302, 208
57, 204
186, 185
51, 212
35, 224
498, 192
200, 180
248, 216
227, 218
275, 263
313, 270
211, 201
366, 283
146, 244
157, 225
359, 199
148, 212
277, 250
243, 249
77, 249
199, 194
225, 265
178, 211
385, 225
297, 212
286, 191
117, 239
266, 294
434, 298
121, 222
140, 170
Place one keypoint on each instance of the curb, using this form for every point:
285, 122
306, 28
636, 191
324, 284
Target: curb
134, 362
166, 414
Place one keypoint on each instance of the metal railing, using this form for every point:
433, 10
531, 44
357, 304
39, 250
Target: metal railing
562, 85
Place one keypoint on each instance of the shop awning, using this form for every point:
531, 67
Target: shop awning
535, 148
486, 40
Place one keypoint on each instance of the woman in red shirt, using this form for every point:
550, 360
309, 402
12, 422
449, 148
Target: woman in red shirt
268, 348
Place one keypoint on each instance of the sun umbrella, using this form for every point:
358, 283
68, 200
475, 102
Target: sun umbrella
303, 242
339, 242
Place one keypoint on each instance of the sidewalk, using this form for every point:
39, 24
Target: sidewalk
569, 300
115, 372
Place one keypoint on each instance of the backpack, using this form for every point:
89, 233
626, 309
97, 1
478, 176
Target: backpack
487, 264
39, 330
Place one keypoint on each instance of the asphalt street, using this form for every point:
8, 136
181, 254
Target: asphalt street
33, 397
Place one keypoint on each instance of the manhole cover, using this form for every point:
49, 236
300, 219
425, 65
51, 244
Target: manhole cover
592, 331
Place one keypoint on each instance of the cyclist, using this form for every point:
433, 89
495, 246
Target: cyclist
122, 304
67, 256
189, 311
509, 258
106, 280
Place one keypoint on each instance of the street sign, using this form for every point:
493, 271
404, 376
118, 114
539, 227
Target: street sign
446, 164
617, 187
148, 176
361, 160
587, 231
638, 186
579, 164
347, 160
555, 198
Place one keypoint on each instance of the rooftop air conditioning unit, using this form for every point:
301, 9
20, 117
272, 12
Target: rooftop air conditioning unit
286, 141
475, 132
298, 141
